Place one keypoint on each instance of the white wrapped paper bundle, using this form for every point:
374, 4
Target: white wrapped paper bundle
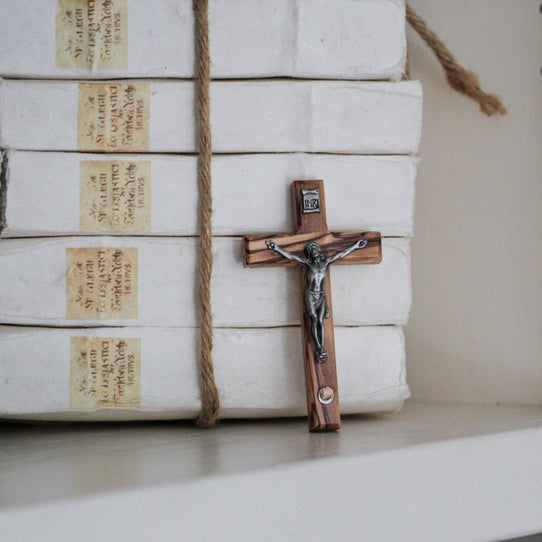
251, 116
336, 39
66, 193
151, 373
77, 281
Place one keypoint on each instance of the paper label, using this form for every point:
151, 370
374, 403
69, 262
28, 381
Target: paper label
105, 372
115, 196
113, 117
92, 34
101, 283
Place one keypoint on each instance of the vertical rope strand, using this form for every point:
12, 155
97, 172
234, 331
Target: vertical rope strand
210, 402
460, 79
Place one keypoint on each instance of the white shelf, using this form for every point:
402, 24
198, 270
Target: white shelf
430, 472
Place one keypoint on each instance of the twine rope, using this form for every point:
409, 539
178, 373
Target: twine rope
210, 402
460, 79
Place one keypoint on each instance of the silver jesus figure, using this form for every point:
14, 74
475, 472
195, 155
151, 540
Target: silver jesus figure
315, 297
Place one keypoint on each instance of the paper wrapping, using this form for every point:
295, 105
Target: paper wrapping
141, 281
335, 39
259, 372
253, 116
306, 39
52, 193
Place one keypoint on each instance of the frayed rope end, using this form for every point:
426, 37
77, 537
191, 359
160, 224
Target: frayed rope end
460, 79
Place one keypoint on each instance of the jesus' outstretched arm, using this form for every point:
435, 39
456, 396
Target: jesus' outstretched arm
360, 243
285, 254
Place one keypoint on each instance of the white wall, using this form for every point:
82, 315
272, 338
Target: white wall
476, 328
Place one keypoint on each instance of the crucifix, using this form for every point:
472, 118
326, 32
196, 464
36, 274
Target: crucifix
313, 249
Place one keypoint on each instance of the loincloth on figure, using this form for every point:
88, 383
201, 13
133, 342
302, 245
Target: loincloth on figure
316, 301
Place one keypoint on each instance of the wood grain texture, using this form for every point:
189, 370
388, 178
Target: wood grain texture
311, 224
258, 255
319, 375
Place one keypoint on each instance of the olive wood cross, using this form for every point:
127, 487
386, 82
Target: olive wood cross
313, 248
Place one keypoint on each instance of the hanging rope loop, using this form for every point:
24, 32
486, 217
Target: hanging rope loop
460, 79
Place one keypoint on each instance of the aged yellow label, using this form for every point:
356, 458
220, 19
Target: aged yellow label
115, 196
92, 34
113, 117
105, 372
101, 283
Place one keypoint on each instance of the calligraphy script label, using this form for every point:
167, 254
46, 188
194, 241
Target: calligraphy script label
115, 196
105, 372
92, 34
101, 283
113, 116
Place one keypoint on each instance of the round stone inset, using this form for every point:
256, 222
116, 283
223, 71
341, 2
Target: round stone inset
326, 395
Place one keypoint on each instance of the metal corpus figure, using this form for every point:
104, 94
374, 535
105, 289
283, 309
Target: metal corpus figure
315, 297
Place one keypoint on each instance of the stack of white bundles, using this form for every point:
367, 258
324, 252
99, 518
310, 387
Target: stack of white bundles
99, 211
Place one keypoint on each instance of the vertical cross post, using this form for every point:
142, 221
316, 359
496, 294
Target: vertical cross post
313, 248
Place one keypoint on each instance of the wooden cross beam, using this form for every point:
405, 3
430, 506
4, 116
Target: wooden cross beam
313, 248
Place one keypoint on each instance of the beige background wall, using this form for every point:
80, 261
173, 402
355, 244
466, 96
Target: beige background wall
476, 328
